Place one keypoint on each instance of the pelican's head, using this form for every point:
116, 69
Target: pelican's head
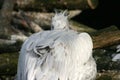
60, 21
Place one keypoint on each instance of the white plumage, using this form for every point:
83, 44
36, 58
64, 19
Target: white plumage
57, 54
116, 57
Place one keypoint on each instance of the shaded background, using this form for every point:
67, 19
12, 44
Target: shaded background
106, 14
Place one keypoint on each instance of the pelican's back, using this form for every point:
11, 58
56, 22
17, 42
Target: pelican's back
58, 54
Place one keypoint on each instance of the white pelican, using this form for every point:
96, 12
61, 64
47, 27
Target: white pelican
57, 54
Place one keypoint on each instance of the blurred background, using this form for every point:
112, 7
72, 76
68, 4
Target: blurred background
100, 18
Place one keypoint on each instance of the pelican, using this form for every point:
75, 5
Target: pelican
57, 54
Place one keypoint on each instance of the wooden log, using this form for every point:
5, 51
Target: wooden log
108, 75
5, 17
81, 27
22, 21
41, 19
49, 5
10, 45
102, 38
106, 37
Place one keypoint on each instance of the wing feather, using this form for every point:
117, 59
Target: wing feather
59, 56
